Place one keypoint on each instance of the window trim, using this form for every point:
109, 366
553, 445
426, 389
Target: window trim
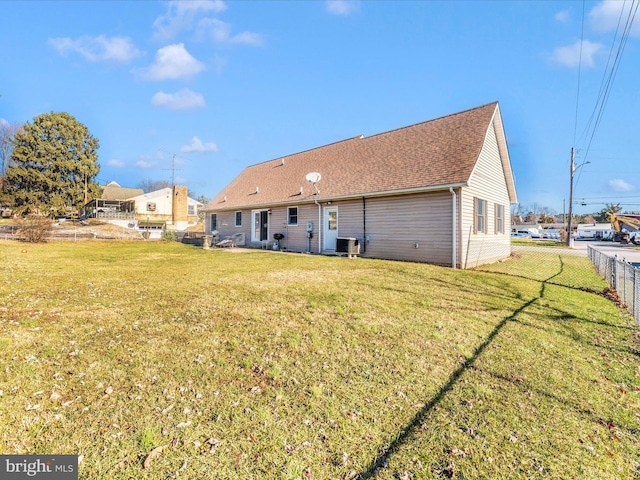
289, 223
238, 216
479, 214
499, 218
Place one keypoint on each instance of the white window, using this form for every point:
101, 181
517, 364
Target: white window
214, 222
480, 217
499, 218
292, 216
151, 207
238, 219
191, 210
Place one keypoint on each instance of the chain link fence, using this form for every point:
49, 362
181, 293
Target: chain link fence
590, 266
623, 277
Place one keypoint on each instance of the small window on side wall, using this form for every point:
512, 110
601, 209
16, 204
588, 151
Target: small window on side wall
479, 215
151, 207
238, 219
214, 222
191, 210
292, 216
499, 218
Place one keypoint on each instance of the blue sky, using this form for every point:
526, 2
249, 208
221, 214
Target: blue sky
216, 85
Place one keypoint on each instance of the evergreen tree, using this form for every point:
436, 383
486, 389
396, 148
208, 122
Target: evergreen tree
54, 164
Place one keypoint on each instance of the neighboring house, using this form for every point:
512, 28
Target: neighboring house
436, 192
168, 208
113, 203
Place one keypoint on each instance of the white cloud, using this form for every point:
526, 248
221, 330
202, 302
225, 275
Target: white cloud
563, 17
182, 15
184, 99
196, 145
342, 7
570, 55
607, 15
172, 62
144, 163
116, 163
100, 48
220, 32
620, 185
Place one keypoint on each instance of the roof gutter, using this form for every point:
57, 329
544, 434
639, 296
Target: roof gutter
385, 193
454, 243
319, 223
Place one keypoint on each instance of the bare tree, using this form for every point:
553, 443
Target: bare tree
153, 185
7, 134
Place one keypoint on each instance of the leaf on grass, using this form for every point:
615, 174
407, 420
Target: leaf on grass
55, 396
33, 407
215, 443
152, 454
121, 463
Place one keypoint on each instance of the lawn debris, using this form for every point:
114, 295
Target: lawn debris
152, 455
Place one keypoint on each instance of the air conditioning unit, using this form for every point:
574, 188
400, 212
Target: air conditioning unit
348, 245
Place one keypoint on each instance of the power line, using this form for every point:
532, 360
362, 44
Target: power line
602, 100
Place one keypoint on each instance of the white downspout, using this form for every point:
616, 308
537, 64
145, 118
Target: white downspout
319, 225
454, 242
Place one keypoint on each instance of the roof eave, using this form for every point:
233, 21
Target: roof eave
318, 198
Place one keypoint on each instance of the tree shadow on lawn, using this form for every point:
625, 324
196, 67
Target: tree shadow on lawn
586, 411
404, 435
406, 432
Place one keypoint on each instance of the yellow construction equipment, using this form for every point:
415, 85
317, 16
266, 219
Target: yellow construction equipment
626, 228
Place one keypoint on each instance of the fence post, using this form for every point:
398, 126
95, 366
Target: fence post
636, 295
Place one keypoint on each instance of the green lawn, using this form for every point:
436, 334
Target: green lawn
263, 365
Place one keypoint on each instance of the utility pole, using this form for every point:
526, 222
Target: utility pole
573, 171
173, 170
569, 225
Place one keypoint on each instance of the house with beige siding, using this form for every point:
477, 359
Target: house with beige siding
437, 192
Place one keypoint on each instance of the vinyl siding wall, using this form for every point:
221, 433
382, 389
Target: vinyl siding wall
394, 225
487, 183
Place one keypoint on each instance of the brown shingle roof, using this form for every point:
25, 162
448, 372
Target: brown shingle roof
113, 191
435, 153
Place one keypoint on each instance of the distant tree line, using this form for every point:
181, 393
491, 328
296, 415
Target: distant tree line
541, 214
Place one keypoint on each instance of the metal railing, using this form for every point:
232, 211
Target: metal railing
623, 277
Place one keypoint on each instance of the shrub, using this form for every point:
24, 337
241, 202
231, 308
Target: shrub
34, 228
169, 236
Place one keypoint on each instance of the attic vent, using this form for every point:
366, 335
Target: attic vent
361, 137
257, 189
225, 198
282, 161
300, 190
